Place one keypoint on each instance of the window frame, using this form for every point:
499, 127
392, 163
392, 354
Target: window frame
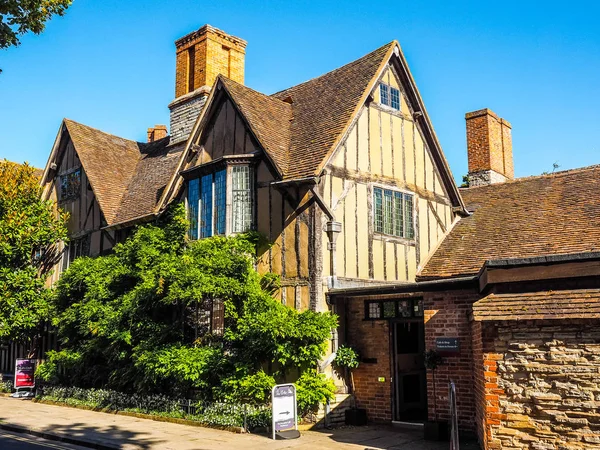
211, 170
76, 193
388, 101
414, 314
77, 247
412, 222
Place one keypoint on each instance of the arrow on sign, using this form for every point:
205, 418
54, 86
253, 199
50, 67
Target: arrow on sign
284, 412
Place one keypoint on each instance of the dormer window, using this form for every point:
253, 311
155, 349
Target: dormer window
220, 202
389, 96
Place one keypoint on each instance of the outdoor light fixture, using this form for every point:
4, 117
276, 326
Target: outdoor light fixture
332, 229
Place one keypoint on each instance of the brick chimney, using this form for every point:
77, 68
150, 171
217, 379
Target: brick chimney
489, 146
200, 57
157, 132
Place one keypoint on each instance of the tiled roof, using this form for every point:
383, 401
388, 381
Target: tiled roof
268, 117
109, 163
576, 304
126, 176
528, 217
152, 174
322, 109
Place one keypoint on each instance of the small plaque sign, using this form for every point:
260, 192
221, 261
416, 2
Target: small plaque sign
447, 344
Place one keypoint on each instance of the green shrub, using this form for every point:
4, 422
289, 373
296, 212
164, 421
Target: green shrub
220, 414
346, 357
136, 321
6, 386
313, 389
254, 389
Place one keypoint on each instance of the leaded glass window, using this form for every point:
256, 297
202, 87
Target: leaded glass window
241, 191
395, 97
399, 216
389, 310
393, 213
388, 212
418, 308
206, 206
409, 226
384, 93
404, 307
77, 248
70, 185
208, 210
193, 200
378, 206
220, 201
374, 310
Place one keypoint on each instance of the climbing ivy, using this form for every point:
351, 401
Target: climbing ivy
129, 320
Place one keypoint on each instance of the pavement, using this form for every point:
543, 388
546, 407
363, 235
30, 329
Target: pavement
111, 431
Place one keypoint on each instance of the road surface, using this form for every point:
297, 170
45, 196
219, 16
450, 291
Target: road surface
16, 441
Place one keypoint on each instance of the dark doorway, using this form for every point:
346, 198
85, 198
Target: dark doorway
410, 384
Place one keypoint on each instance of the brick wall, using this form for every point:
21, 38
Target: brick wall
541, 384
479, 381
372, 340
447, 315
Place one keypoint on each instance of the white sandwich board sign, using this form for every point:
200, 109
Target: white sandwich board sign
283, 399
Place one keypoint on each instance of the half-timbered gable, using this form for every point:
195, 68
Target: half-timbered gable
342, 174
106, 184
385, 188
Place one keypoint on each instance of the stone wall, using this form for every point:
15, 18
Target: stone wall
184, 112
544, 379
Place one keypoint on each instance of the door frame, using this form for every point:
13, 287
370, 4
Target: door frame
394, 369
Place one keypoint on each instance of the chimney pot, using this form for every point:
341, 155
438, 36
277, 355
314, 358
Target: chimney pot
200, 57
489, 148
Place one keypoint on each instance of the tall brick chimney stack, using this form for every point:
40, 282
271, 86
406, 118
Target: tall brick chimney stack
157, 132
489, 146
200, 57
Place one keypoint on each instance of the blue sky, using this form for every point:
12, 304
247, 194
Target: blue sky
111, 65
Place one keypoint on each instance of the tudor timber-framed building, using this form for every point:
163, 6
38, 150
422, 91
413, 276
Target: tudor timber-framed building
345, 176
349, 156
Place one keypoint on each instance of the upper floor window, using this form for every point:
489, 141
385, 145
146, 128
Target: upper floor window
390, 96
70, 185
393, 213
209, 211
76, 248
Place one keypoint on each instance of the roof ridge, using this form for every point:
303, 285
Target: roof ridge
243, 86
101, 131
535, 177
336, 69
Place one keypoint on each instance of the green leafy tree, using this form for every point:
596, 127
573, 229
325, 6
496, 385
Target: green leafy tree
135, 320
30, 231
18, 17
